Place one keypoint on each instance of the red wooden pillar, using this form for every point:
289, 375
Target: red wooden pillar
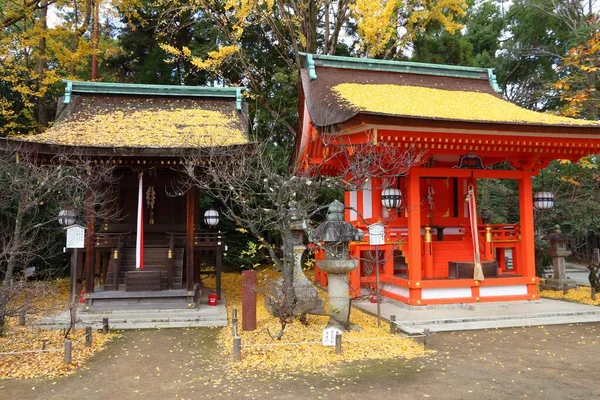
414, 236
501, 258
189, 239
90, 248
376, 198
527, 259
414, 226
355, 273
527, 265
428, 253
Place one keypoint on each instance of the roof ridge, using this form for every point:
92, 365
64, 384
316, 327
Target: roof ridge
151, 90
311, 61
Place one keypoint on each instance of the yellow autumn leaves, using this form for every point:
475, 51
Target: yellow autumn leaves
421, 102
30, 338
380, 27
212, 62
159, 128
580, 294
300, 348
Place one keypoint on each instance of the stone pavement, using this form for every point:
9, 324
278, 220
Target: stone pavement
203, 316
579, 273
414, 320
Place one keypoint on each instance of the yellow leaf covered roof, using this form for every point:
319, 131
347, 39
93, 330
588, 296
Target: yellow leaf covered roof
457, 105
146, 122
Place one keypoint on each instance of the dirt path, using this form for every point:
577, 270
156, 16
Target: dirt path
555, 362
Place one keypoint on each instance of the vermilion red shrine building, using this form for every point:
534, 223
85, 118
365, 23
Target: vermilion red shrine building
456, 116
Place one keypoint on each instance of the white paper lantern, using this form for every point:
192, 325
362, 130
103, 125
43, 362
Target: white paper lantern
543, 200
211, 217
66, 217
391, 198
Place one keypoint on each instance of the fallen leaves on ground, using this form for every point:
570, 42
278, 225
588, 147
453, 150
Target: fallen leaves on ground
31, 338
581, 294
300, 348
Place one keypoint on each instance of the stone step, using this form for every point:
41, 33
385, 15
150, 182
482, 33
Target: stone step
491, 317
496, 324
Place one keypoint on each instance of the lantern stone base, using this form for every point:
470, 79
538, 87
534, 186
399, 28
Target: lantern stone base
337, 286
559, 284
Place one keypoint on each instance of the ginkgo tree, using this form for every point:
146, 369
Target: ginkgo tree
374, 28
41, 43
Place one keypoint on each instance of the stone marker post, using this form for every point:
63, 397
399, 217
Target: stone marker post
248, 300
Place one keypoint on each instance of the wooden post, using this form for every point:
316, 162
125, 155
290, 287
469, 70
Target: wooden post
237, 348
89, 246
88, 336
218, 265
105, 326
427, 333
593, 293
377, 287
248, 300
189, 242
338, 343
393, 324
22, 318
565, 289
74, 263
234, 322
68, 348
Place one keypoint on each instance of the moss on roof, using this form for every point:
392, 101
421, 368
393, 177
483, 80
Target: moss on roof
422, 102
146, 124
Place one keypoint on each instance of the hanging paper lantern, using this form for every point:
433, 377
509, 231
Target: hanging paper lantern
66, 217
543, 200
391, 198
211, 217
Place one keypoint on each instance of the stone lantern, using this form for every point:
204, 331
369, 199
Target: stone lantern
335, 234
559, 250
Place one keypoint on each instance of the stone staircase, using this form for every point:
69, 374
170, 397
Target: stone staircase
155, 259
203, 316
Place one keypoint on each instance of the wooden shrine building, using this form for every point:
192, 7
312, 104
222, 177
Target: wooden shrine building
146, 132
465, 129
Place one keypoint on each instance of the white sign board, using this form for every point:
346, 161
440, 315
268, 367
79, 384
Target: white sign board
75, 237
329, 336
376, 234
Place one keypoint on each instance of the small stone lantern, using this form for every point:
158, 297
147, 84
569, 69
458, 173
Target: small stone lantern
559, 250
335, 234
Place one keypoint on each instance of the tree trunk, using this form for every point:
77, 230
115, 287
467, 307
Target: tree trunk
287, 272
41, 67
13, 256
74, 38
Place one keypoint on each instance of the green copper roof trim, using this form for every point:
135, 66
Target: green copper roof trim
68, 90
310, 66
152, 90
312, 61
493, 80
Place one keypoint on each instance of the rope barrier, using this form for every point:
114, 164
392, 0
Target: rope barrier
10, 353
318, 342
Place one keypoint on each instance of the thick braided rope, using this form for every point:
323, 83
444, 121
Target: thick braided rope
477, 270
